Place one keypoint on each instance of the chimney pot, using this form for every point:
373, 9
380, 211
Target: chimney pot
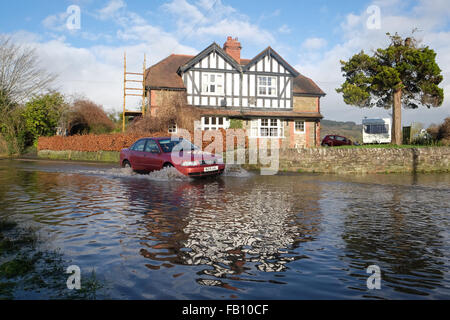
233, 48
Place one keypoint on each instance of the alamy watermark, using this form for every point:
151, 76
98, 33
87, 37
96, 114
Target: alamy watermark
374, 281
264, 151
74, 280
73, 21
374, 20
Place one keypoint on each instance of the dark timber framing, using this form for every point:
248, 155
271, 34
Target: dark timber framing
205, 53
233, 98
271, 53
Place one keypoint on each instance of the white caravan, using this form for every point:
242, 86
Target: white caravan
376, 131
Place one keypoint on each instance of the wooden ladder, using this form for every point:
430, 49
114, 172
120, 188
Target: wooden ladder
126, 90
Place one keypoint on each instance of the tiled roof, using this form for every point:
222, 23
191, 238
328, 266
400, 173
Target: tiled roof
304, 85
164, 73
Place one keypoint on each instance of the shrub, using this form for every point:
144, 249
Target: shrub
14, 131
441, 133
3, 146
172, 109
433, 130
43, 113
236, 124
88, 117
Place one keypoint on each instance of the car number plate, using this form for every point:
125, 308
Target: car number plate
210, 169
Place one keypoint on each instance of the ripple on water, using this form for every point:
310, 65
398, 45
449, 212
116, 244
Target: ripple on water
288, 237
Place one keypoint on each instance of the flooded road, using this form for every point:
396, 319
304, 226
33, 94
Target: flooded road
242, 236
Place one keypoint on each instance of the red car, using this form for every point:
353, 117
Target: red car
153, 154
336, 141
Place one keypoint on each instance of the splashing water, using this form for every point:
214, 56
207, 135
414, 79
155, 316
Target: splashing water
166, 174
234, 170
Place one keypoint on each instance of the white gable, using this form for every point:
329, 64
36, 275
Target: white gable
213, 61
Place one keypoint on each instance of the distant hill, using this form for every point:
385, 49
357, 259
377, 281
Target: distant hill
347, 129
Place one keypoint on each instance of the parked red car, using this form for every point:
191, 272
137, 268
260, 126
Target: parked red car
153, 154
335, 141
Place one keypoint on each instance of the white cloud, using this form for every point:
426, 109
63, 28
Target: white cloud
187, 10
284, 29
213, 18
56, 22
111, 9
97, 72
314, 43
216, 8
244, 30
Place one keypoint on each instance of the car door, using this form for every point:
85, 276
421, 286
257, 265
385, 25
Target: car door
137, 155
331, 141
152, 156
339, 141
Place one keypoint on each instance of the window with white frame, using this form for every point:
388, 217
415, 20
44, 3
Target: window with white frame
267, 86
267, 128
212, 84
299, 126
215, 123
173, 128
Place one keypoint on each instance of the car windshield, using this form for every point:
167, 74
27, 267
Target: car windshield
168, 145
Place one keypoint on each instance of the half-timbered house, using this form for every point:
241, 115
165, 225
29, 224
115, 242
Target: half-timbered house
270, 97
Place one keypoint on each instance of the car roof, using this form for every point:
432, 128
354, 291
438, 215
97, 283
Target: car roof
159, 138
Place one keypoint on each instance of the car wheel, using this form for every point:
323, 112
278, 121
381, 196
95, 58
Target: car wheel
167, 165
126, 164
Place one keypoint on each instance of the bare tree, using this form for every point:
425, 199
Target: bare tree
20, 73
21, 77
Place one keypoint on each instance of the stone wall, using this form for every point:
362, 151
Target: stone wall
322, 160
306, 104
366, 160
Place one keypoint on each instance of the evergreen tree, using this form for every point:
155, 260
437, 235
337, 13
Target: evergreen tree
403, 74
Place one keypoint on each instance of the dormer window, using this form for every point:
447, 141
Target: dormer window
212, 84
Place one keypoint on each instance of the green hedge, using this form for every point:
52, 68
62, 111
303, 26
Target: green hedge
103, 156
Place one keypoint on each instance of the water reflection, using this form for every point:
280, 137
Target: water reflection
253, 237
230, 228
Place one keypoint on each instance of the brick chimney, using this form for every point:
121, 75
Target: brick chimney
233, 48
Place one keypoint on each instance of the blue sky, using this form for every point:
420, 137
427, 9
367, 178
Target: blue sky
311, 35
309, 19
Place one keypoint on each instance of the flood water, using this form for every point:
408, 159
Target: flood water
242, 236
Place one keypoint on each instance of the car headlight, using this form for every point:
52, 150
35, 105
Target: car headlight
190, 163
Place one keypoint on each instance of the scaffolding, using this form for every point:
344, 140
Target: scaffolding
126, 90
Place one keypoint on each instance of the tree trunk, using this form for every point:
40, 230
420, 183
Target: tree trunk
397, 118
